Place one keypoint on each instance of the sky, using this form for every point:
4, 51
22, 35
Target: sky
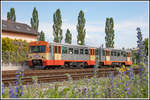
127, 17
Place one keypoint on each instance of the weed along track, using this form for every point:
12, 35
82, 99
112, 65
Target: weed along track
9, 77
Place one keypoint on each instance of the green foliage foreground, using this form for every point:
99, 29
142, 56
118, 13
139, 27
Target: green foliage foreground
122, 86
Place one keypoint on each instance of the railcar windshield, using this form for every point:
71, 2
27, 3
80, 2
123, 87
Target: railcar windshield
37, 49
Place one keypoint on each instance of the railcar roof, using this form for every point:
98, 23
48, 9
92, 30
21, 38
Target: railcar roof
66, 44
116, 49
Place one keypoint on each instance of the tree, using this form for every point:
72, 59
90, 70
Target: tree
68, 37
109, 38
34, 20
57, 31
11, 15
42, 36
80, 28
146, 45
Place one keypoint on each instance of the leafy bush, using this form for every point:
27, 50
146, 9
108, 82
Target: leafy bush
14, 50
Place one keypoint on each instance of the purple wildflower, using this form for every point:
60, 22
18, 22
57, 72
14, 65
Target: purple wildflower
128, 92
11, 93
127, 84
2, 88
126, 89
19, 87
85, 90
124, 73
141, 46
119, 72
121, 83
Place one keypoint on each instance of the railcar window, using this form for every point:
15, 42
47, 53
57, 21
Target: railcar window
59, 49
49, 48
124, 54
81, 51
103, 53
93, 51
115, 53
118, 54
112, 53
76, 51
70, 50
96, 52
55, 49
64, 50
86, 51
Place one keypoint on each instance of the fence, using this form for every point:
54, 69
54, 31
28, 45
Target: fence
14, 58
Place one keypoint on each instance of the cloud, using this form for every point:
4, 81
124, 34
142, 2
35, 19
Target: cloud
125, 32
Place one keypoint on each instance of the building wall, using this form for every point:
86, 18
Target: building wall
23, 36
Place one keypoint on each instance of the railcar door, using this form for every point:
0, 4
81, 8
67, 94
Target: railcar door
107, 55
57, 52
128, 56
92, 56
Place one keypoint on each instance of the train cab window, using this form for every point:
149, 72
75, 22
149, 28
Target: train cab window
55, 49
64, 50
76, 51
86, 51
81, 51
43, 48
96, 52
103, 52
59, 49
70, 50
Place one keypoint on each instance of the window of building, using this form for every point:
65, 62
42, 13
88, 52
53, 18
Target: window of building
76, 51
70, 50
86, 51
81, 51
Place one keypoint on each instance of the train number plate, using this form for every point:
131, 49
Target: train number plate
36, 56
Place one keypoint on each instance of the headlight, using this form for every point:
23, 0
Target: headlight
43, 57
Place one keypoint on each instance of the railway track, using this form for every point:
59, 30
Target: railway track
9, 77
